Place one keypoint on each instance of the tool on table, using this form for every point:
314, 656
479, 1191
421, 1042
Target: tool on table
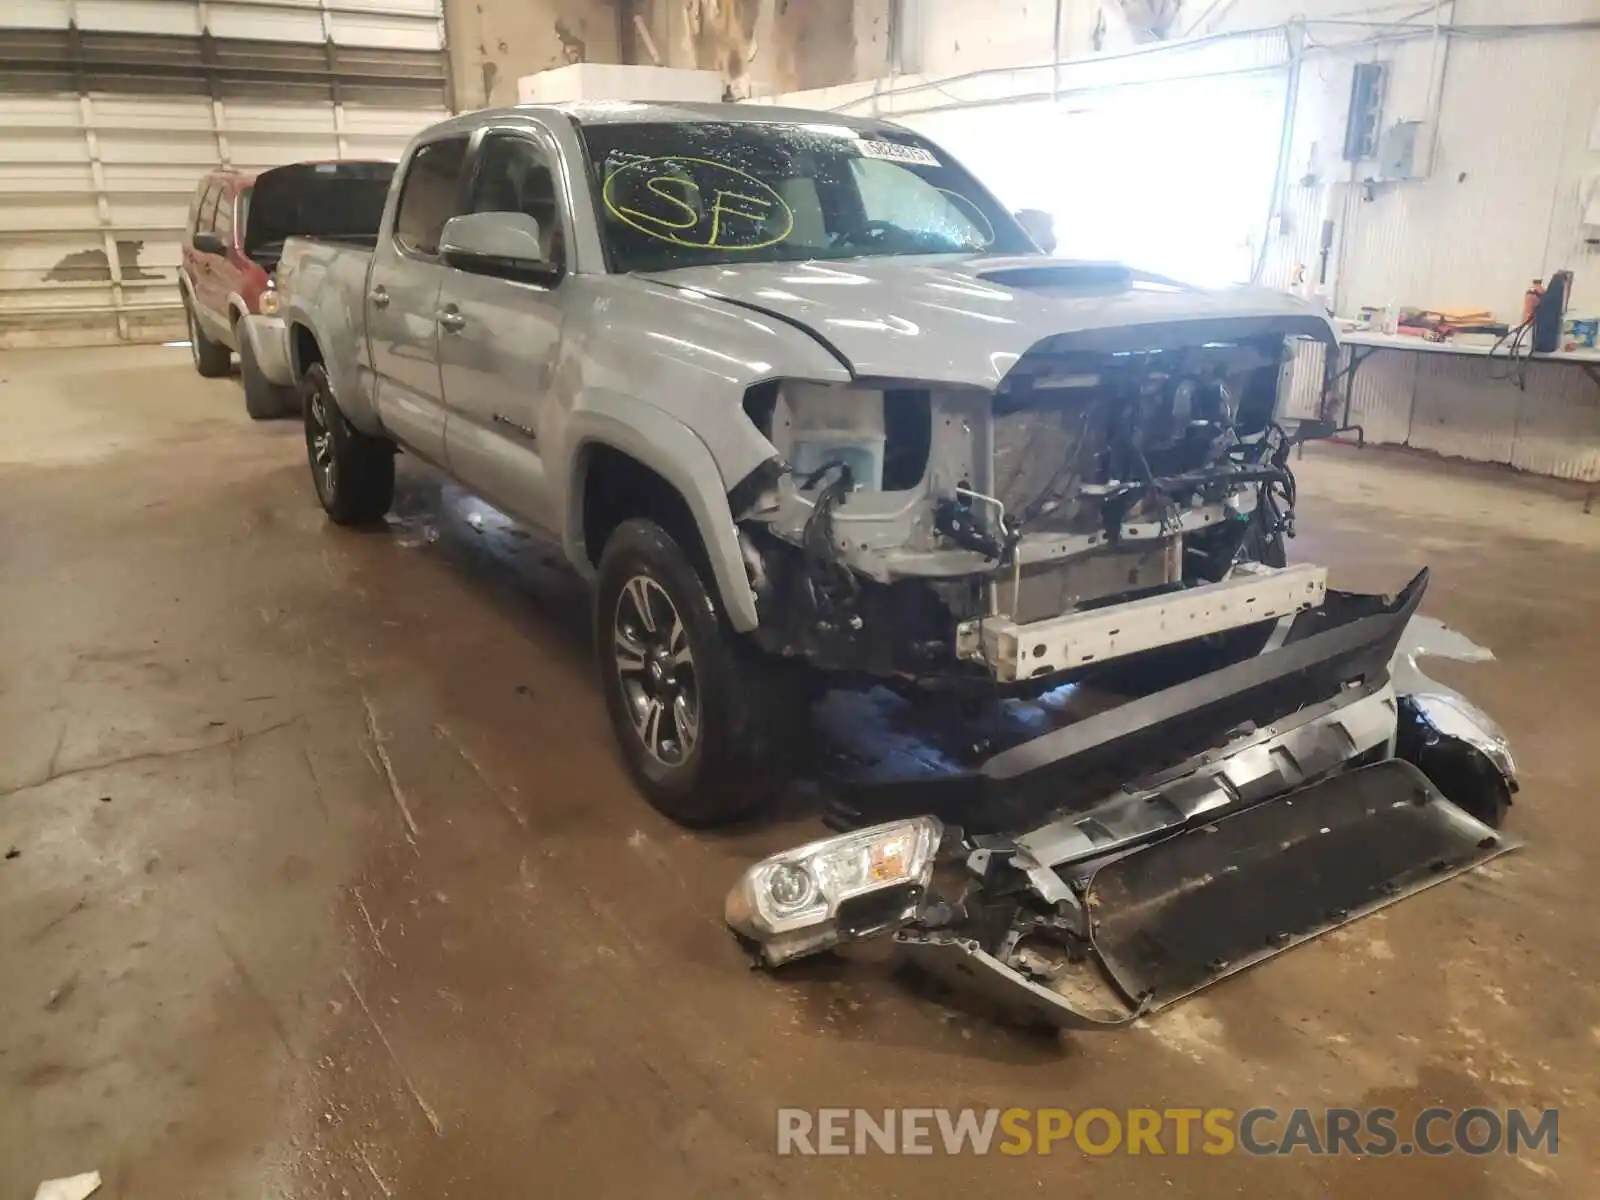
1530, 300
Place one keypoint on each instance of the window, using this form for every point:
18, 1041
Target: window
705, 192
514, 175
894, 195
224, 221
428, 196
206, 211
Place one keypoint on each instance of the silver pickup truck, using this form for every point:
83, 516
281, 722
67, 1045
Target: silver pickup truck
807, 404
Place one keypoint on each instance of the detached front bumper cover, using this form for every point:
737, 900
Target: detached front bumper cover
1350, 799
1190, 911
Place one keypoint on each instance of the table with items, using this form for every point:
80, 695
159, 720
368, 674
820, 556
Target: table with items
1360, 344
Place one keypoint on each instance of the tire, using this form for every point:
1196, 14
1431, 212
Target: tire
352, 472
263, 399
725, 720
211, 359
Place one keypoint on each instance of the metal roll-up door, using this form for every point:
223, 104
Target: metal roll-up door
113, 109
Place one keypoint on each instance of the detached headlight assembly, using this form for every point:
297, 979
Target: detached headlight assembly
835, 890
1457, 717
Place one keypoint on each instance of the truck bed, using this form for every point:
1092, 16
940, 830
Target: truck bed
327, 277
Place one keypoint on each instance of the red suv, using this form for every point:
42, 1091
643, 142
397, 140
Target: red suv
238, 223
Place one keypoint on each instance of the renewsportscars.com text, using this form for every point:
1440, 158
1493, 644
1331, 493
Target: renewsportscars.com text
1261, 1132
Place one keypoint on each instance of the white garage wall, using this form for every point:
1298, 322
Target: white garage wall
1162, 159
95, 181
1180, 176
1499, 207
1169, 178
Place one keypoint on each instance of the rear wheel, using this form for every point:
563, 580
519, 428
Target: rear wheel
211, 359
263, 399
705, 723
353, 473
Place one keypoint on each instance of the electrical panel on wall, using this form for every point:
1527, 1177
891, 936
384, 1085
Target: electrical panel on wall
1403, 151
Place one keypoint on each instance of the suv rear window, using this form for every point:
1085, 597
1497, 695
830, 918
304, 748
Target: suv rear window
326, 200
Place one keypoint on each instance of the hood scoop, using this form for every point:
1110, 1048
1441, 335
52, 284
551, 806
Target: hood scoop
1082, 278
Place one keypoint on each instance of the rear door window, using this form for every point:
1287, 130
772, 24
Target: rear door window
224, 220
430, 194
206, 212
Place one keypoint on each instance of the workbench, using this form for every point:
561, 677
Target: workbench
1359, 345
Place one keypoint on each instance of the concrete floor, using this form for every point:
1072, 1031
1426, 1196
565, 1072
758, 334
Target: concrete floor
328, 882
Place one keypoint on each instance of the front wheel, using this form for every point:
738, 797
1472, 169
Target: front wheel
701, 718
353, 473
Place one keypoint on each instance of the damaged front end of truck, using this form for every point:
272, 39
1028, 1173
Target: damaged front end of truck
1111, 513
1309, 791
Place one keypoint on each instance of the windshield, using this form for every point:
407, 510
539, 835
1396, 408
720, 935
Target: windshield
692, 193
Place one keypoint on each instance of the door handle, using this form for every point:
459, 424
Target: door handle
450, 319
380, 297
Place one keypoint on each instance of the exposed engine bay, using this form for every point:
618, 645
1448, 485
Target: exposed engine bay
928, 533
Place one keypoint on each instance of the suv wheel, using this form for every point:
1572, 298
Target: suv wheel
211, 359
700, 716
353, 473
263, 399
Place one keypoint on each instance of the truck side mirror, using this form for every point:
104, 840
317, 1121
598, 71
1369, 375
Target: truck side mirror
493, 243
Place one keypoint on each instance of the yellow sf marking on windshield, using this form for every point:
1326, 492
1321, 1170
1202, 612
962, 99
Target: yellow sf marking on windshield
725, 204
658, 186
718, 209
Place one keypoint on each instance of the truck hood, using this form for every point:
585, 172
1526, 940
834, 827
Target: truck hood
967, 321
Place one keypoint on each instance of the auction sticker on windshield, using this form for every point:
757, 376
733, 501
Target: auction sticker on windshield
698, 203
895, 152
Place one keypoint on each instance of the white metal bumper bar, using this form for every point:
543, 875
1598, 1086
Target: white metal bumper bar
1254, 593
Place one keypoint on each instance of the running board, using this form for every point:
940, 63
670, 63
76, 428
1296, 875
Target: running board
1254, 594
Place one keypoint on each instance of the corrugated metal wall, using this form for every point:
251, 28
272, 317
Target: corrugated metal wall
115, 108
